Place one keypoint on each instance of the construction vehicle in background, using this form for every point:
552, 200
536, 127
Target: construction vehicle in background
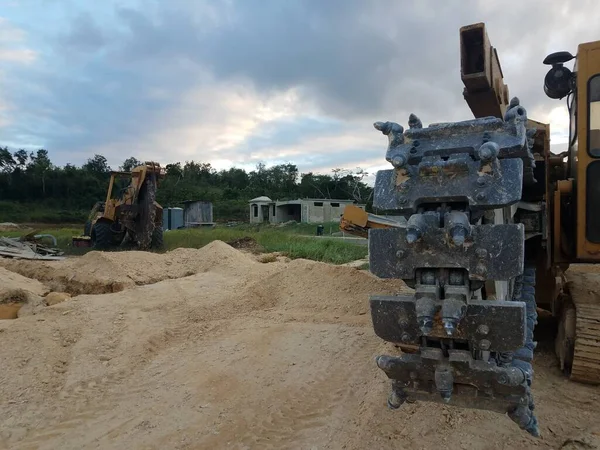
493, 220
130, 215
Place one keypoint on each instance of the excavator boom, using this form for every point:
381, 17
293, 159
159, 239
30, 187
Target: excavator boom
481, 73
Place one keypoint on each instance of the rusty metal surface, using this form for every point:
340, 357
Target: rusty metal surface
484, 324
455, 180
490, 252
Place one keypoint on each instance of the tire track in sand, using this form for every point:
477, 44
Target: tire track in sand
89, 399
297, 411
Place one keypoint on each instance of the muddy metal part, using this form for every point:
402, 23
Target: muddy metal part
464, 343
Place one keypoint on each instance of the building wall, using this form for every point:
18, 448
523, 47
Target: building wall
306, 211
261, 212
198, 212
325, 210
287, 212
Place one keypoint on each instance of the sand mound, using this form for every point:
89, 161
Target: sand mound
19, 296
239, 355
323, 287
106, 272
10, 281
90, 274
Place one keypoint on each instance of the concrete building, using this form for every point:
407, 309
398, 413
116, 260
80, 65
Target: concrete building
307, 210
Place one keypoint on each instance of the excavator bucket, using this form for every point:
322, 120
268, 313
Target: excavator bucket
466, 334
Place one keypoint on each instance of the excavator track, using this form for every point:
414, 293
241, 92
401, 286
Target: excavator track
580, 327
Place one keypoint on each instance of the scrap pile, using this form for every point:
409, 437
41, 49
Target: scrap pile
29, 247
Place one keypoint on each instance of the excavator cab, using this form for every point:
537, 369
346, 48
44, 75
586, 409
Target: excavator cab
578, 193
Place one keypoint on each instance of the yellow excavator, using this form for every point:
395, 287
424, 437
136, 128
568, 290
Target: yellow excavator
130, 215
494, 226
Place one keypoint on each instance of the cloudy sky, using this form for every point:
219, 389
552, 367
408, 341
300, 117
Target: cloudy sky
237, 82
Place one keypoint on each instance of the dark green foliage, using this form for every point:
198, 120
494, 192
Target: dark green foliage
32, 189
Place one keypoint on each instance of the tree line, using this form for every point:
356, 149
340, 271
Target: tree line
33, 188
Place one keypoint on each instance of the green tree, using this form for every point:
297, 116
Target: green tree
39, 165
98, 164
130, 163
21, 158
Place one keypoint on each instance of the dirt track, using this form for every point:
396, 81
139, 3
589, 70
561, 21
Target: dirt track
227, 352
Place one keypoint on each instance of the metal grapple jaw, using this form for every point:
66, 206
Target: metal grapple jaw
465, 335
448, 373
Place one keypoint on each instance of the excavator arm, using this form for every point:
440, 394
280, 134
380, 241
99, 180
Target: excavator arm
481, 73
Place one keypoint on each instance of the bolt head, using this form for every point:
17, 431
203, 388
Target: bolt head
483, 329
449, 328
485, 153
481, 181
405, 337
484, 344
481, 252
398, 161
400, 254
481, 196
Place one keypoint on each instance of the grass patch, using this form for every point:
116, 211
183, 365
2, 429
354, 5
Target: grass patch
290, 242
294, 241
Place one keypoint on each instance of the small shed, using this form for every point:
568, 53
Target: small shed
259, 209
197, 213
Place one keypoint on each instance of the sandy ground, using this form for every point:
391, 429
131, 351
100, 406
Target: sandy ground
212, 349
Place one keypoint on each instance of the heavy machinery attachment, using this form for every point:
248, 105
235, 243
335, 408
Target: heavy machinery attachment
130, 215
466, 334
489, 209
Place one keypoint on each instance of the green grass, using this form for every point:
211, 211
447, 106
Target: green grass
291, 242
295, 241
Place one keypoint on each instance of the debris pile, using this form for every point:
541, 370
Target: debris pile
8, 226
28, 247
246, 243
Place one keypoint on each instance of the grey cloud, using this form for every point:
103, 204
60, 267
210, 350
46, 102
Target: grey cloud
357, 61
84, 35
